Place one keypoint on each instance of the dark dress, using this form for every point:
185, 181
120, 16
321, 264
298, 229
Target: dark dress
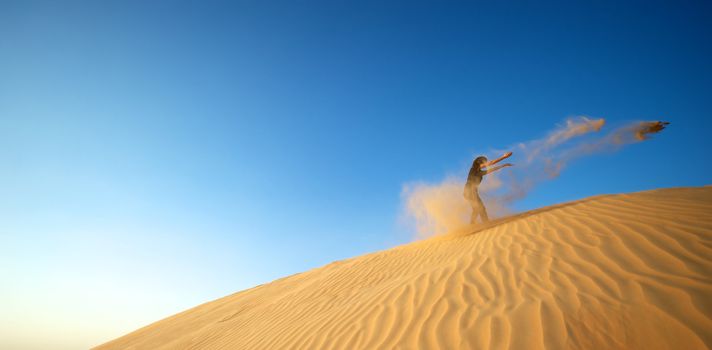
471, 193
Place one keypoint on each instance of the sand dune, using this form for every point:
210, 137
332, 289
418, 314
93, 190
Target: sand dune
630, 271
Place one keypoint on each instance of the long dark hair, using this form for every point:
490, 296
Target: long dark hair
479, 161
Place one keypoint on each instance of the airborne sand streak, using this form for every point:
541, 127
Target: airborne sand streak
439, 208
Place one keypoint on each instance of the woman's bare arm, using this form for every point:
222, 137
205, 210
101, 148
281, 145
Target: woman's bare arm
503, 157
489, 171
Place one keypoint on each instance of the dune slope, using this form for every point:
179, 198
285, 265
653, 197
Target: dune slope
630, 271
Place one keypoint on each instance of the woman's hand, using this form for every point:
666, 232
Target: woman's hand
496, 160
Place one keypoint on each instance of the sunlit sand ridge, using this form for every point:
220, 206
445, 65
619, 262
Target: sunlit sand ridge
630, 271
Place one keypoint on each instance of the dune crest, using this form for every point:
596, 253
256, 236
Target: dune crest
630, 271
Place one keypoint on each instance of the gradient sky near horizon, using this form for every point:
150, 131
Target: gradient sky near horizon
160, 154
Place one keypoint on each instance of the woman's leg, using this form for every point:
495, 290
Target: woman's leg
475, 211
482, 210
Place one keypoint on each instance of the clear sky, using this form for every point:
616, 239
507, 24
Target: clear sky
159, 154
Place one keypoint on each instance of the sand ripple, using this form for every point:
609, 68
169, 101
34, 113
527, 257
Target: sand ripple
629, 271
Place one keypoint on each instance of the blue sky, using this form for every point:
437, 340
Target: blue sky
156, 155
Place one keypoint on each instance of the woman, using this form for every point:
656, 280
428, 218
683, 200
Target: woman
474, 178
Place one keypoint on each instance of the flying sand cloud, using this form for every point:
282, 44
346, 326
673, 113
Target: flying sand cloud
440, 208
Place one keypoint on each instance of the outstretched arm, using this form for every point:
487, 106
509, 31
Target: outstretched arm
489, 171
503, 157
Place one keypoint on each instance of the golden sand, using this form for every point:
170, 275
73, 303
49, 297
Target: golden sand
631, 271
